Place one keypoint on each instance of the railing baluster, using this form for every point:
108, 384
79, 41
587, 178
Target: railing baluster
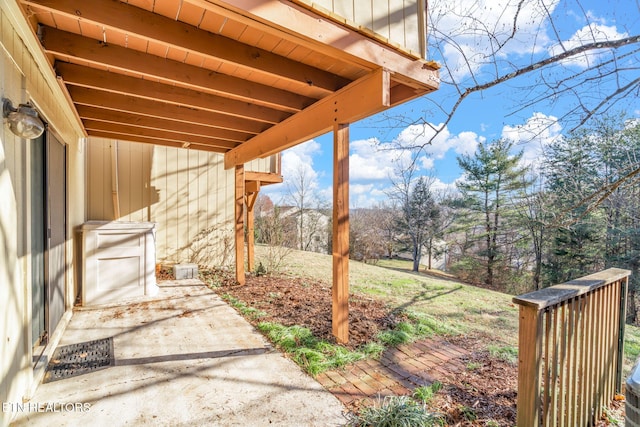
615, 325
609, 335
570, 349
591, 368
581, 361
601, 380
548, 317
554, 366
571, 377
597, 350
562, 366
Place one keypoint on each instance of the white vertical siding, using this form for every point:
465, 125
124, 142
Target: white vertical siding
26, 76
401, 22
187, 193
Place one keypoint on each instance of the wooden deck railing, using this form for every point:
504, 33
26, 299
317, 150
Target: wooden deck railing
570, 349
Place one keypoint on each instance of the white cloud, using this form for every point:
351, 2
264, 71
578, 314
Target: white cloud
466, 142
427, 162
594, 32
419, 135
299, 159
366, 196
443, 187
536, 133
357, 189
371, 160
470, 30
295, 161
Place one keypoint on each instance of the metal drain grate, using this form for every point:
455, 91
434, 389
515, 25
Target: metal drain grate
78, 359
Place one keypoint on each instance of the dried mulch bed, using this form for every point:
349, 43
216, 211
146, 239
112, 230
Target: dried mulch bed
297, 301
483, 393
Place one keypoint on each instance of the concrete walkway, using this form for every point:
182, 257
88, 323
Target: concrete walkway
184, 358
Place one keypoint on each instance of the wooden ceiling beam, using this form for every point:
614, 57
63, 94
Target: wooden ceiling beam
251, 187
264, 177
154, 27
119, 83
113, 116
362, 98
240, 128
401, 93
73, 46
123, 129
302, 26
155, 141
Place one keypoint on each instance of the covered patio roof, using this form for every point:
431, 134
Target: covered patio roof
246, 78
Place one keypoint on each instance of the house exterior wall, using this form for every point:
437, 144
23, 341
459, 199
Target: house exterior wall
396, 22
26, 76
187, 193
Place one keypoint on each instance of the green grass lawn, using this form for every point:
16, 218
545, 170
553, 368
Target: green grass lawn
467, 309
462, 307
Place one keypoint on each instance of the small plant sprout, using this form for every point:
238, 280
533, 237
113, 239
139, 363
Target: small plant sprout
472, 366
426, 393
505, 353
260, 270
467, 413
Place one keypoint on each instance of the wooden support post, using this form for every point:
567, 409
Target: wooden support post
340, 290
529, 355
251, 201
239, 225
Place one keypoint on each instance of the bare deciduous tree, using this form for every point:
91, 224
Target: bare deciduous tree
583, 61
419, 212
309, 216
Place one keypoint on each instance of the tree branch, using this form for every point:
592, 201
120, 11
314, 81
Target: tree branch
610, 44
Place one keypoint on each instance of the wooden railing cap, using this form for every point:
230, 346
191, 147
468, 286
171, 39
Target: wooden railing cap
546, 297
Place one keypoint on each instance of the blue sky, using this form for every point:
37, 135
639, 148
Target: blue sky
503, 111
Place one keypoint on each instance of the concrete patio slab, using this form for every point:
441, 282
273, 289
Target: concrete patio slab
184, 358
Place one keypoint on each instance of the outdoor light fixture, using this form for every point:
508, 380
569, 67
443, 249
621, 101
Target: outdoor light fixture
23, 121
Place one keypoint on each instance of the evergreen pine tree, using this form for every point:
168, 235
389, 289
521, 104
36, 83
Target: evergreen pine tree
491, 177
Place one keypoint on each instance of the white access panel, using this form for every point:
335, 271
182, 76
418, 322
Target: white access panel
118, 261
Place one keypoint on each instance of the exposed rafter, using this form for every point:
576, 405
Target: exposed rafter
117, 102
124, 129
150, 26
79, 48
113, 116
154, 140
119, 83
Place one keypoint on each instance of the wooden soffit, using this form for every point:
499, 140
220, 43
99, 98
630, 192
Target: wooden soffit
247, 78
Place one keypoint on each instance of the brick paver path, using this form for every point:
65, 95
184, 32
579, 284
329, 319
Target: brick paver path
398, 372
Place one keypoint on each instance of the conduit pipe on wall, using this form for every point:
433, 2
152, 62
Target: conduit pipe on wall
114, 180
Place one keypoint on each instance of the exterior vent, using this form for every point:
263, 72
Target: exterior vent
632, 409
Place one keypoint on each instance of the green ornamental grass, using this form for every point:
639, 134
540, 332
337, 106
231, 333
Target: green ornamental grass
395, 411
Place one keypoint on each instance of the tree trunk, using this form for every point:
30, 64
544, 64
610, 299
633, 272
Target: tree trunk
417, 253
489, 279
